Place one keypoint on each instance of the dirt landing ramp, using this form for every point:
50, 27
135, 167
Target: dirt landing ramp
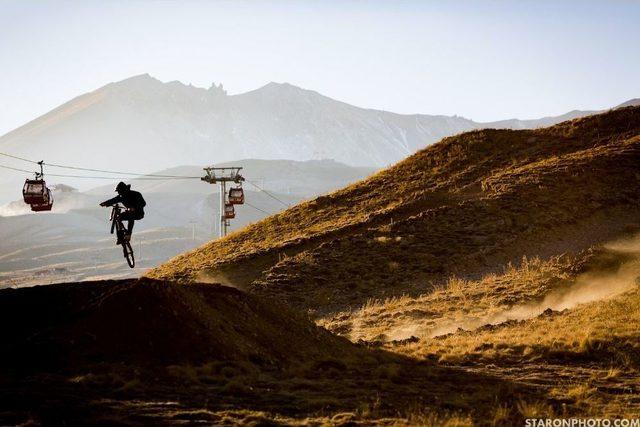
153, 322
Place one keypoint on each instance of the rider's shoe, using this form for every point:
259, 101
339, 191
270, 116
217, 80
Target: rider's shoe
127, 237
120, 239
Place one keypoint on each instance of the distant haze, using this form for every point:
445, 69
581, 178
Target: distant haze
486, 61
141, 124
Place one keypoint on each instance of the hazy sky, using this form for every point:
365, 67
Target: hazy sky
486, 60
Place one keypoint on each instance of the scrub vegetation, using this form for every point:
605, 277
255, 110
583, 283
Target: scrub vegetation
489, 278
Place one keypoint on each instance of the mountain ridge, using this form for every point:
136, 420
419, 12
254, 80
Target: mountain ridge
277, 120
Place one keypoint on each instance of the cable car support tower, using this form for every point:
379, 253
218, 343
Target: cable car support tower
221, 176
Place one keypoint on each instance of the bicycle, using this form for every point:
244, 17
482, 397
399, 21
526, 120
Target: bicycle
119, 228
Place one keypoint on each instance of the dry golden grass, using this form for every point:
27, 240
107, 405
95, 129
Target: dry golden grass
586, 356
463, 245
607, 332
262, 418
458, 299
465, 204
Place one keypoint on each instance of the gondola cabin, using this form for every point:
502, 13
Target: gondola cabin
236, 196
45, 206
36, 194
229, 211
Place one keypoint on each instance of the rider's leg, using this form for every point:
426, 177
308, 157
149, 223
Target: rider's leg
133, 216
120, 235
129, 217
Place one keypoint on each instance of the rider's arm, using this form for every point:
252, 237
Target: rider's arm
111, 202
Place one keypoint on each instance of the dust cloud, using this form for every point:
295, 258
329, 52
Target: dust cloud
588, 287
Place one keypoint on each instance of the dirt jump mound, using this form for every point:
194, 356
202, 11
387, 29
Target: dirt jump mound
149, 322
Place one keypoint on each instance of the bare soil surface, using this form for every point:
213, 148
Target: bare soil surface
146, 351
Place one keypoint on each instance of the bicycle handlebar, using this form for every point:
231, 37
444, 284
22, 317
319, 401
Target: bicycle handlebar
116, 206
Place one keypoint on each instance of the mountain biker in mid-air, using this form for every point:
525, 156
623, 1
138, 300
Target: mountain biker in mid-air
133, 201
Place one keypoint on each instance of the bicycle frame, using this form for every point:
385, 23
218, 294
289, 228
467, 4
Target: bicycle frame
118, 226
115, 217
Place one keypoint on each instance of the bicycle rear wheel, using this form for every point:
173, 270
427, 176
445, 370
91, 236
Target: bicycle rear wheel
128, 254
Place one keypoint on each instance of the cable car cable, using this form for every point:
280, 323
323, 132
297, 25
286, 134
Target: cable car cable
18, 158
16, 169
97, 170
119, 172
269, 194
257, 208
141, 178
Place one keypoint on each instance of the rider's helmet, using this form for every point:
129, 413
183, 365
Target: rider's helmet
122, 187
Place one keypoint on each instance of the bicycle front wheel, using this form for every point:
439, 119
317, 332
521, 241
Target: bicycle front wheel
128, 254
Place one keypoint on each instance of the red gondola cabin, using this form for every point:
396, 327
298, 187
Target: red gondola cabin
229, 211
36, 194
236, 196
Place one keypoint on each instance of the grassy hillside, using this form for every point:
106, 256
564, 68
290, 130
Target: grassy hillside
464, 207
490, 278
569, 325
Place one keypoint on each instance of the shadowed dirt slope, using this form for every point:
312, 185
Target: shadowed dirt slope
151, 352
460, 207
152, 322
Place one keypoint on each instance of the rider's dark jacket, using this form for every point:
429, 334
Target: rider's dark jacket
131, 200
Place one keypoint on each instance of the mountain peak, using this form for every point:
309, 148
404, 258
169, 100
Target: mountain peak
145, 83
139, 82
630, 103
217, 88
146, 77
275, 86
284, 90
